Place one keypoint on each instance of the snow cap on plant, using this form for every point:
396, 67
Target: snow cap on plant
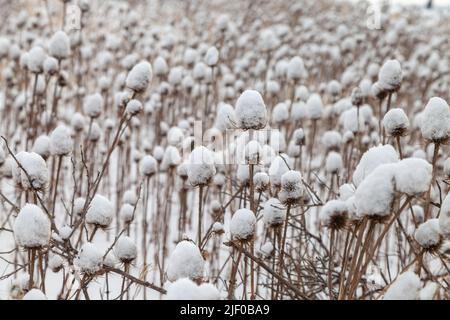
32, 227
273, 212
148, 165
413, 176
428, 235
133, 107
100, 212
186, 289
125, 249
201, 166
139, 77
212, 56
435, 123
374, 195
251, 112
334, 214
60, 141
390, 76
291, 187
314, 107
89, 259
186, 261
35, 59
93, 105
371, 159
35, 168
296, 69
242, 225
405, 287
396, 122
59, 46
35, 294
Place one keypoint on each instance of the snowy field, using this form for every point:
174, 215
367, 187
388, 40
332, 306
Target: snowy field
267, 150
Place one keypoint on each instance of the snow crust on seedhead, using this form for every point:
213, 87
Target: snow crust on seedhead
390, 75
125, 249
186, 289
139, 77
100, 211
334, 214
201, 166
35, 294
59, 46
405, 287
371, 159
61, 141
251, 112
36, 168
428, 234
89, 259
374, 195
186, 261
435, 120
148, 165
273, 212
413, 176
242, 225
396, 122
32, 228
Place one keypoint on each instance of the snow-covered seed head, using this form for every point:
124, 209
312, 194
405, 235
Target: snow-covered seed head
267, 250
139, 77
333, 163
261, 181
127, 213
299, 137
218, 228
60, 141
334, 214
291, 187
125, 249
296, 69
32, 172
100, 212
273, 212
435, 121
50, 66
405, 287
35, 59
59, 46
160, 67
374, 195
133, 107
42, 146
357, 97
89, 260
251, 112
186, 289
56, 263
396, 123
413, 176
276, 170
148, 165
253, 152
242, 225
390, 76
186, 261
428, 235
314, 107
334, 88
201, 166
175, 136
32, 227
35, 294
212, 56
93, 105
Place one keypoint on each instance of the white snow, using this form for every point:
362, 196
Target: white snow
251, 111
242, 224
405, 287
32, 227
100, 211
185, 261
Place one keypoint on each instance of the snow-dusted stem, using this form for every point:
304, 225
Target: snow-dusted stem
433, 178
